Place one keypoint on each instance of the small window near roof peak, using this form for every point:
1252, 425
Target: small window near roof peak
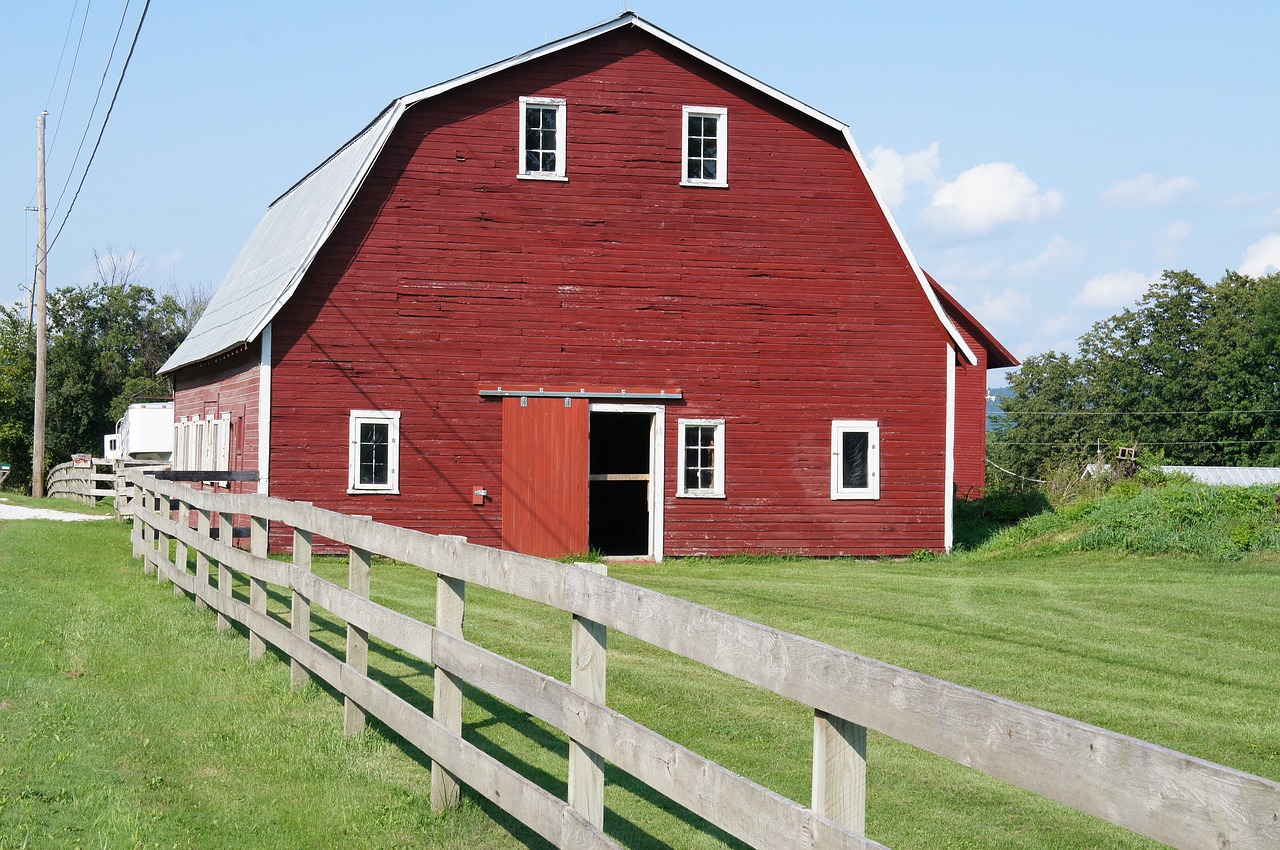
706, 136
542, 138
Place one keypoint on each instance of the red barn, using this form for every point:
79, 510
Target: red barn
612, 293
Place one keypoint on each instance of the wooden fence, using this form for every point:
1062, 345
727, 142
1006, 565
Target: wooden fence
1169, 796
82, 481
97, 479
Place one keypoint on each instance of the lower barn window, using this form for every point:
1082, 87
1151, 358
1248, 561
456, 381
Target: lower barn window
702, 458
855, 459
374, 457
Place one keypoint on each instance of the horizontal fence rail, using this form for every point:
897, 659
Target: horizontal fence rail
83, 481
97, 479
1174, 798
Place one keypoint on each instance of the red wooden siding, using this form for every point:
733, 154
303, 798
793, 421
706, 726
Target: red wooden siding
544, 475
971, 396
971, 423
777, 304
229, 385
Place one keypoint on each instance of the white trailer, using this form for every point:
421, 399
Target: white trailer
145, 432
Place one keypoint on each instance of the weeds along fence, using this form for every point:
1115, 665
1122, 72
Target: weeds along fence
1169, 796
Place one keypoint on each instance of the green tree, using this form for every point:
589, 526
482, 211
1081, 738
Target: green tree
1192, 370
106, 342
17, 393
1032, 434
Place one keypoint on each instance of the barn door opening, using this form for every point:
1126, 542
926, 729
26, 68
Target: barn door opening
625, 482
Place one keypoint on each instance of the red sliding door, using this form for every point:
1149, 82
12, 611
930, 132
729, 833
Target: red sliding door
544, 475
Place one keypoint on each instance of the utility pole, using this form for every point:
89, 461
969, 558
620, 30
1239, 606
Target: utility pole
42, 323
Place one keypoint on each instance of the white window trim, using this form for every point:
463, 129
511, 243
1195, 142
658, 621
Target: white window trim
716, 490
392, 419
722, 145
561, 133
872, 430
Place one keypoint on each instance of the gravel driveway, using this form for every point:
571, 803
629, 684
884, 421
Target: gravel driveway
9, 511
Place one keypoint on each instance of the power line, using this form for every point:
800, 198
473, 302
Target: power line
105, 119
75, 60
1128, 412
1014, 474
1091, 443
97, 97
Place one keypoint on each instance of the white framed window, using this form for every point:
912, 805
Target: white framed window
374, 456
706, 146
542, 138
701, 458
855, 459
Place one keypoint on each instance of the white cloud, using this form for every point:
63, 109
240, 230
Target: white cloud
1055, 326
1003, 307
987, 197
957, 265
892, 172
1170, 240
1148, 190
1177, 231
1114, 289
170, 260
1058, 252
1262, 257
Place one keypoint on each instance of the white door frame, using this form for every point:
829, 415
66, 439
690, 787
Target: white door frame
657, 464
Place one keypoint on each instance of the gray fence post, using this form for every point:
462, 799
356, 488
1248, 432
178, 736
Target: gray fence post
451, 606
203, 524
257, 587
586, 767
226, 535
300, 606
840, 771
359, 582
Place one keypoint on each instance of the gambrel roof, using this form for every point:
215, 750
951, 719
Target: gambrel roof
297, 224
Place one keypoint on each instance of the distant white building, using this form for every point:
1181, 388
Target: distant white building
1236, 476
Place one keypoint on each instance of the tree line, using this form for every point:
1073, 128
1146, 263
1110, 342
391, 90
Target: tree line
1191, 373
106, 342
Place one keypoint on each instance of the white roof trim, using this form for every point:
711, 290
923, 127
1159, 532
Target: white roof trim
255, 288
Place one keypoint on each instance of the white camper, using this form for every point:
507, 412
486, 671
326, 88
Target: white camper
145, 432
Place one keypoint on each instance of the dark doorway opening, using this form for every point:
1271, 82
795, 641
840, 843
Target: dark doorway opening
620, 479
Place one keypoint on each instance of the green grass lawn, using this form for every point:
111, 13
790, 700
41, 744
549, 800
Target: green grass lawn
126, 721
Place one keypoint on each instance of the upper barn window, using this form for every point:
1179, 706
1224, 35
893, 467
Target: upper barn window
706, 142
542, 132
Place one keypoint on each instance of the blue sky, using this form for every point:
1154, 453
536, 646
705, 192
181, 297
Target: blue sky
1045, 161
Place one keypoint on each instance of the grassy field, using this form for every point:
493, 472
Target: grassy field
126, 721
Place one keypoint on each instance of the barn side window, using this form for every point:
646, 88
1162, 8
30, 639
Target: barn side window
374, 457
706, 144
542, 138
855, 459
702, 458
